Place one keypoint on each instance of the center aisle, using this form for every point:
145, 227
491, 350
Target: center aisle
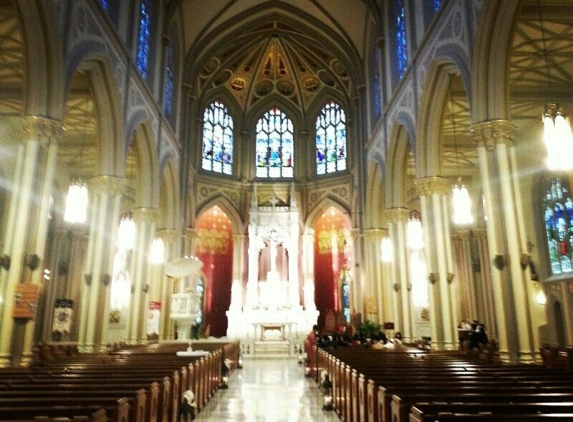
268, 390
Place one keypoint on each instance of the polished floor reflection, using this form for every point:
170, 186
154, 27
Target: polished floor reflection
269, 390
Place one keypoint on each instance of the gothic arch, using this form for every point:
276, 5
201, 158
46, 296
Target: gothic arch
492, 47
169, 200
375, 194
396, 165
147, 185
321, 207
228, 208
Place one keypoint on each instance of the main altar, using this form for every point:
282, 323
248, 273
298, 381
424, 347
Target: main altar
267, 314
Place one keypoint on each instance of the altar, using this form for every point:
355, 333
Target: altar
268, 310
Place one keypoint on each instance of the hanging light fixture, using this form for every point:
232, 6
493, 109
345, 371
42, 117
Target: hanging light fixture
157, 251
126, 232
77, 199
387, 250
460, 197
557, 134
414, 232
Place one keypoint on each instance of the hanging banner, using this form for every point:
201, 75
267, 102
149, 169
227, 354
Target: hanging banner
62, 316
26, 300
153, 318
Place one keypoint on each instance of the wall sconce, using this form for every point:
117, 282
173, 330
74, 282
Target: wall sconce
106, 279
396, 287
432, 277
32, 261
524, 260
88, 279
450, 277
5, 262
499, 262
146, 288
409, 287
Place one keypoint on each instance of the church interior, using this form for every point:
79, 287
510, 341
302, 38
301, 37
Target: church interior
246, 169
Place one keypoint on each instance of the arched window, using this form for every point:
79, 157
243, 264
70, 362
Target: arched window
275, 145
104, 4
331, 139
144, 37
558, 215
401, 48
169, 81
437, 5
375, 86
217, 152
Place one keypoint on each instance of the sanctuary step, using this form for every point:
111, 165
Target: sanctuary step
270, 349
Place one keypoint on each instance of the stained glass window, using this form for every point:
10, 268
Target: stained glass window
558, 215
401, 50
376, 93
217, 154
330, 139
144, 37
169, 81
104, 4
437, 5
275, 145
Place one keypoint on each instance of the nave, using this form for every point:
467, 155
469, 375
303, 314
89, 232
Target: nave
269, 390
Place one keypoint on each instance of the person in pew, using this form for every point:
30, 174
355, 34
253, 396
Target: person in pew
356, 340
376, 343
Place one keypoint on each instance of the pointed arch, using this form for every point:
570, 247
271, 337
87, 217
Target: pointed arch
321, 207
169, 200
238, 225
396, 167
147, 182
375, 193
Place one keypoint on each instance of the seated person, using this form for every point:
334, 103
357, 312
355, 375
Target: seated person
376, 343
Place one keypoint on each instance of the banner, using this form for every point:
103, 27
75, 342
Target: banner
26, 300
62, 316
153, 318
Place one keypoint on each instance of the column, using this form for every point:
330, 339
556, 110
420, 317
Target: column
397, 219
35, 149
293, 256
171, 241
373, 270
253, 268
434, 196
105, 196
145, 220
506, 238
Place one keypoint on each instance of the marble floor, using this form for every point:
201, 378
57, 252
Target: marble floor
267, 390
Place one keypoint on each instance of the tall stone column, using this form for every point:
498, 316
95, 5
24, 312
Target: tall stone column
35, 149
171, 241
397, 219
308, 269
253, 267
293, 273
105, 195
506, 237
374, 273
434, 196
145, 220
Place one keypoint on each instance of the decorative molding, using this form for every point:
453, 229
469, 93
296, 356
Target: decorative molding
397, 215
145, 215
168, 235
488, 134
46, 131
427, 186
106, 184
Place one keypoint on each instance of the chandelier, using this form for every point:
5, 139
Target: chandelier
414, 232
77, 198
126, 233
460, 197
557, 127
76, 202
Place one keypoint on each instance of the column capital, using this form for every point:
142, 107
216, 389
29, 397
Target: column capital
145, 215
397, 215
427, 186
375, 234
487, 134
239, 238
191, 232
46, 131
106, 184
167, 235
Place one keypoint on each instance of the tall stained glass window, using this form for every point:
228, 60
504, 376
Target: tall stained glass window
401, 49
275, 145
144, 37
437, 5
169, 81
217, 154
376, 99
104, 4
559, 225
331, 139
